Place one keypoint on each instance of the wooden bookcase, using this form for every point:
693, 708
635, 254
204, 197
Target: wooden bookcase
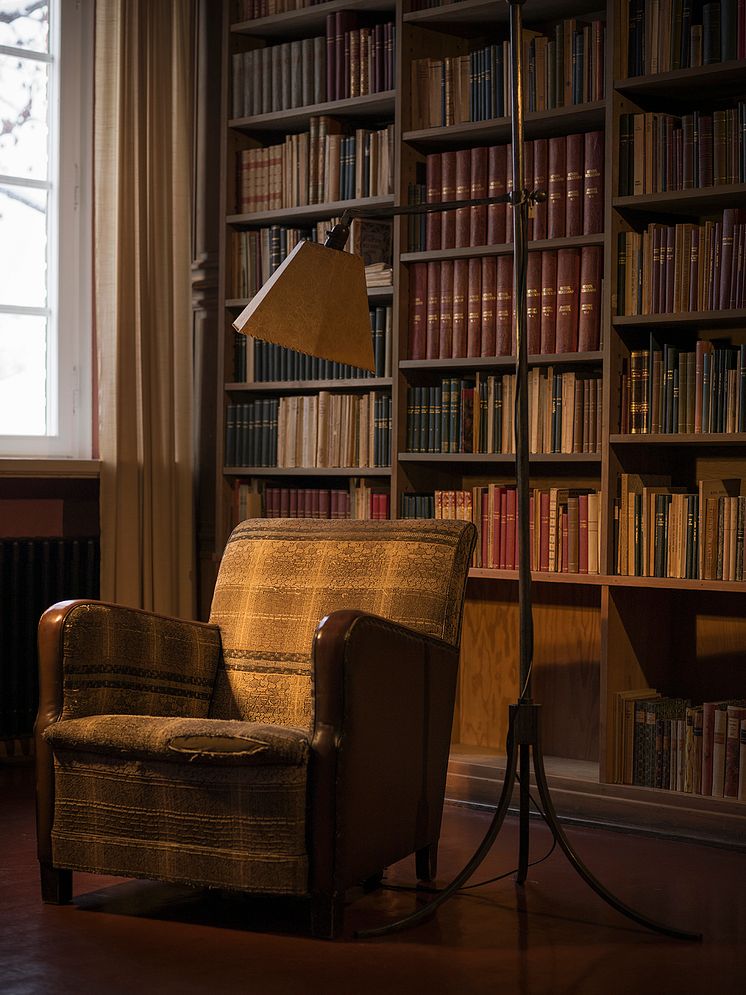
596, 634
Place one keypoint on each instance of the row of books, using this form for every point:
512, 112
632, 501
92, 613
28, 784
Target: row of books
322, 165
564, 532
668, 743
563, 69
476, 415
349, 61
671, 390
256, 253
663, 531
464, 307
320, 430
568, 168
249, 10
672, 269
263, 362
680, 34
252, 499
660, 152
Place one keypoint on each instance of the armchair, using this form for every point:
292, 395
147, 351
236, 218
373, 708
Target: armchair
296, 744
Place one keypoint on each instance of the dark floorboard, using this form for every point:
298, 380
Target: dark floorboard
550, 937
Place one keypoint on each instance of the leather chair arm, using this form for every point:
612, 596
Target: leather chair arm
384, 697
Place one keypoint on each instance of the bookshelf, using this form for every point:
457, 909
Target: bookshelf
598, 634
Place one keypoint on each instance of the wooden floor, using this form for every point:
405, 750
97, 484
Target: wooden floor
551, 936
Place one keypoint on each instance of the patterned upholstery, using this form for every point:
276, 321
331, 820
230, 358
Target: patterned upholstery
279, 578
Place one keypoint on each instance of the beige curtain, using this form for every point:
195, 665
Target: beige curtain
142, 183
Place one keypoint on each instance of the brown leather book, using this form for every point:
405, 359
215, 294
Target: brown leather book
541, 167
557, 186
575, 183
548, 301
533, 303
589, 317
593, 183
433, 184
433, 310
568, 279
504, 307
418, 311
448, 192
460, 305
496, 187
474, 308
528, 175
463, 192
478, 215
445, 342
489, 281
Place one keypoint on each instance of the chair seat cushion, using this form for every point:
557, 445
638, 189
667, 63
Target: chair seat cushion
194, 741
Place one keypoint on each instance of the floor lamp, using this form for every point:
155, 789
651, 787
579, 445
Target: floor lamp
284, 313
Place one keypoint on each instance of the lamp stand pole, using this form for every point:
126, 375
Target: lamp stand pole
524, 750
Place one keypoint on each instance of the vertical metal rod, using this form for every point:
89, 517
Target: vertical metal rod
520, 267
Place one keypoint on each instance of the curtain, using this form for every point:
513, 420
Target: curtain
142, 216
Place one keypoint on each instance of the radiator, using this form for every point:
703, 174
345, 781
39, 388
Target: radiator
34, 574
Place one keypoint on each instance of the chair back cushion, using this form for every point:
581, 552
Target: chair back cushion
279, 577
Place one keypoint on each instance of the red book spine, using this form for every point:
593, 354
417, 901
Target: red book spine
463, 191
533, 303
433, 310
504, 307
325, 503
726, 257
510, 530
489, 281
568, 277
575, 185
583, 533
589, 317
543, 530
478, 215
448, 193
541, 152
502, 563
331, 76
557, 185
496, 187
474, 308
418, 311
548, 302
445, 345
433, 183
460, 306
531, 529
593, 183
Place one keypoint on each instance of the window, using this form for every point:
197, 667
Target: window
45, 282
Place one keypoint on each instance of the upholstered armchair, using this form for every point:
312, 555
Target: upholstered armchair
296, 744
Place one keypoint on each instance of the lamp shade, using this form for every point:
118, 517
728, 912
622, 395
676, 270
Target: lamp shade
315, 302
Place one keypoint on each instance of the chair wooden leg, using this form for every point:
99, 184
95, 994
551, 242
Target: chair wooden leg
56, 884
426, 862
327, 915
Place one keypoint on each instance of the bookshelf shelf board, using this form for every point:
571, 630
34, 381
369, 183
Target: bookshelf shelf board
719, 79
492, 458
539, 576
704, 439
371, 106
478, 363
504, 249
307, 471
538, 124
307, 386
685, 201
676, 584
732, 318
296, 23
309, 212
451, 16
374, 294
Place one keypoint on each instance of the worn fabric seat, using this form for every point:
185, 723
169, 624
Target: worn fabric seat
294, 745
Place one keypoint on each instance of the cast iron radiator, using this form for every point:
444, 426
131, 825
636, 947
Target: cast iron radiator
34, 574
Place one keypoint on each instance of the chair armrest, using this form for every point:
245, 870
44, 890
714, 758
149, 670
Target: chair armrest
384, 697
99, 658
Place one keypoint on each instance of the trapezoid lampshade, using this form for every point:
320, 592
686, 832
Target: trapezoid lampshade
316, 302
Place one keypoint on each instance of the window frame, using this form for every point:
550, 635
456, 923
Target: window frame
69, 225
